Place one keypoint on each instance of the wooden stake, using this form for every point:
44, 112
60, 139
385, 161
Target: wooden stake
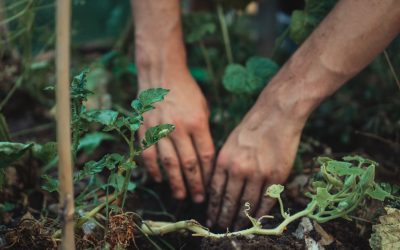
63, 19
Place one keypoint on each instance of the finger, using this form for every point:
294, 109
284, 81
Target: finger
216, 190
266, 203
251, 194
231, 200
190, 165
149, 157
205, 151
170, 162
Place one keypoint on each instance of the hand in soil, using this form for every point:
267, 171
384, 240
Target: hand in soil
189, 150
258, 153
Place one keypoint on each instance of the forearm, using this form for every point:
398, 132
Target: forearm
349, 38
158, 40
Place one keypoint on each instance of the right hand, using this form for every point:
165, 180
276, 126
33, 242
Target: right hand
189, 151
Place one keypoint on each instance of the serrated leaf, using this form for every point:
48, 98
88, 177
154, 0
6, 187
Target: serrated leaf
50, 184
104, 117
274, 190
109, 161
91, 141
147, 98
154, 134
45, 152
10, 152
78, 87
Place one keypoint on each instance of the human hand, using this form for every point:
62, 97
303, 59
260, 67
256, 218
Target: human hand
189, 151
258, 153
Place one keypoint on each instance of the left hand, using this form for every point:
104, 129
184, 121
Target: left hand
258, 153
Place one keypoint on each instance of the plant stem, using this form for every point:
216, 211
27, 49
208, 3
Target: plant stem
225, 34
128, 173
161, 228
392, 69
210, 70
283, 213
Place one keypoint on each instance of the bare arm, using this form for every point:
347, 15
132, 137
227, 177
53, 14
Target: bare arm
161, 61
261, 150
349, 38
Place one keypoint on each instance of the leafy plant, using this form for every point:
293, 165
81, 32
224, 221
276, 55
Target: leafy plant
338, 190
125, 125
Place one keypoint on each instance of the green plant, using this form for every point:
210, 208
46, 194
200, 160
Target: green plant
126, 126
338, 189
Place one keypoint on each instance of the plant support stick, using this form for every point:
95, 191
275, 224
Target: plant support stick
63, 16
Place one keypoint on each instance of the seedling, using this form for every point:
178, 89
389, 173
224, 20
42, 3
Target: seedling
338, 189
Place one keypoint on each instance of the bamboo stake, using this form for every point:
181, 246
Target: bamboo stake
63, 19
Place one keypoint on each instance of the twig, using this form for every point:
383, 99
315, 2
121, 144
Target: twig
63, 19
225, 34
392, 69
28, 131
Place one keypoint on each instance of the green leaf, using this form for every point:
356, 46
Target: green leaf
198, 25
154, 134
109, 161
104, 117
7, 206
50, 184
301, 25
45, 152
78, 87
274, 190
11, 152
378, 193
342, 168
367, 179
323, 197
147, 98
117, 181
250, 79
91, 141
261, 67
128, 165
235, 79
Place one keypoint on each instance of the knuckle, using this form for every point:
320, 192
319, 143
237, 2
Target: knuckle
198, 122
267, 172
189, 164
207, 157
169, 162
239, 169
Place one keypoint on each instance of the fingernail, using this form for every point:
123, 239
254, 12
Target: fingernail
198, 198
209, 223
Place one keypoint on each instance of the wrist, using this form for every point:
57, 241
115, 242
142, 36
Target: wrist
159, 60
300, 86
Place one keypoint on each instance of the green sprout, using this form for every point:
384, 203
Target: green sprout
339, 188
